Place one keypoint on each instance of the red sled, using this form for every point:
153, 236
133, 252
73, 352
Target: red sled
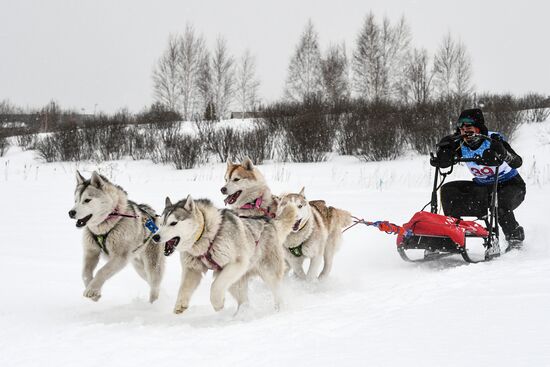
439, 235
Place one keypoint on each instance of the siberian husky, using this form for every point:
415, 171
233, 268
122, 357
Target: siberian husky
114, 227
233, 247
247, 192
316, 235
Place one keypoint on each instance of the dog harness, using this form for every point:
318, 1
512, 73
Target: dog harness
256, 204
206, 258
297, 251
208, 261
100, 241
147, 221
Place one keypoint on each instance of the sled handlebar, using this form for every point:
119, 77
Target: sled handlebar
460, 160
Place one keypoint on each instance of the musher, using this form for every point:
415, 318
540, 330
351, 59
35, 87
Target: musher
472, 198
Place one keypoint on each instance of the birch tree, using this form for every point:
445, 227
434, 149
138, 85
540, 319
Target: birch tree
166, 81
379, 57
247, 83
223, 79
304, 78
453, 71
192, 49
417, 81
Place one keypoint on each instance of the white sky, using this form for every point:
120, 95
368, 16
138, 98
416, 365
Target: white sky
83, 53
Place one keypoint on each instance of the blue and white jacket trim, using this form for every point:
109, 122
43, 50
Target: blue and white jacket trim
485, 175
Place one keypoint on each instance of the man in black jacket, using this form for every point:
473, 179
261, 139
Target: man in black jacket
471, 198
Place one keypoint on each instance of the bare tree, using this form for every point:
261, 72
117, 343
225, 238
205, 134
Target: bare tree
379, 57
395, 45
417, 81
6, 107
166, 76
223, 79
247, 83
366, 60
453, 72
463, 72
204, 85
444, 66
304, 78
192, 48
335, 72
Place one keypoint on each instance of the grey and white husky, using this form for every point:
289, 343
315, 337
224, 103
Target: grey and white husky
316, 235
114, 227
234, 248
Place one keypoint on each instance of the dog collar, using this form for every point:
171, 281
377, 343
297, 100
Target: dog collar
201, 232
303, 225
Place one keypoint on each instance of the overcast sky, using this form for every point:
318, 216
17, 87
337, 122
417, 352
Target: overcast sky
101, 52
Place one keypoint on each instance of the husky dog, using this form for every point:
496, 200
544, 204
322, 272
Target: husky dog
247, 192
234, 248
316, 235
115, 227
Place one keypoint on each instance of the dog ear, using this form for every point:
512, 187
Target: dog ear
96, 180
79, 178
229, 162
167, 202
302, 191
247, 164
189, 204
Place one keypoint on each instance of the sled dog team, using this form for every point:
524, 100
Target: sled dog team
257, 236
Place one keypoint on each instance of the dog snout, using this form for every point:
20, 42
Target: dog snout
224, 190
72, 213
156, 238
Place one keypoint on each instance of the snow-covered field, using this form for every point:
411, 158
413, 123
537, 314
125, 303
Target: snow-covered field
374, 310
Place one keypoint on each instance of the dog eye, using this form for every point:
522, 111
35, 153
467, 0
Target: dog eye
173, 223
236, 179
300, 206
87, 200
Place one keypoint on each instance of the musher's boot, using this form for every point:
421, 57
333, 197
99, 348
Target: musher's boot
515, 238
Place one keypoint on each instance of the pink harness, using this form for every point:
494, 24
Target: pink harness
115, 214
256, 204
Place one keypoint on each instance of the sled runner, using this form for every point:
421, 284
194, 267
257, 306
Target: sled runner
440, 236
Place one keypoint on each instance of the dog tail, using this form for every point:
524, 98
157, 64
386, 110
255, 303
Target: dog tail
284, 221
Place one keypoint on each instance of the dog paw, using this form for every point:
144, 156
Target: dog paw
153, 297
93, 294
180, 309
217, 303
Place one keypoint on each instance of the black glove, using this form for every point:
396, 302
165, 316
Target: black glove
446, 149
491, 158
449, 141
497, 146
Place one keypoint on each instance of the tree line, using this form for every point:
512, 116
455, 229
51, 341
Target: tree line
383, 66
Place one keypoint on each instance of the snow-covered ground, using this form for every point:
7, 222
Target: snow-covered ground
374, 310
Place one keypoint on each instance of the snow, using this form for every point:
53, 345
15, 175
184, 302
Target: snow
374, 310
